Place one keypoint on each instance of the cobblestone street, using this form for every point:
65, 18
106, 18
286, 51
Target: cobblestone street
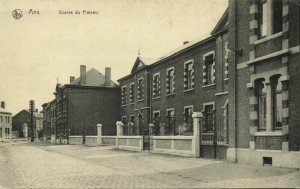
26, 165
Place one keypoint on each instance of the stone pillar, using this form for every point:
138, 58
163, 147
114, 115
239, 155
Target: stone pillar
269, 107
197, 124
25, 130
120, 126
99, 134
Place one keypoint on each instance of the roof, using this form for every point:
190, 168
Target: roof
5, 111
94, 78
36, 114
142, 62
222, 23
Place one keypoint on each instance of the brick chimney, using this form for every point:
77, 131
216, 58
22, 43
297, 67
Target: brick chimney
72, 79
82, 74
107, 76
3, 104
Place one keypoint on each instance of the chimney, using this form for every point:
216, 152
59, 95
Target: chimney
36, 110
3, 104
107, 76
185, 42
82, 74
72, 79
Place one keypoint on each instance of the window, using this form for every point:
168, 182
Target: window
170, 121
208, 118
7, 119
170, 81
226, 60
188, 111
260, 93
132, 93
141, 89
189, 75
276, 97
156, 85
156, 122
270, 17
1, 119
208, 69
124, 95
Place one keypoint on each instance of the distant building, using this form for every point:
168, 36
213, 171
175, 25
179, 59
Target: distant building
21, 124
90, 99
49, 114
5, 123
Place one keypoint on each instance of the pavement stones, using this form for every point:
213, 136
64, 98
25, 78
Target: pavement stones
69, 166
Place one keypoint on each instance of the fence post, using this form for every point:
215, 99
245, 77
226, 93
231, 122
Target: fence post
197, 123
99, 134
120, 126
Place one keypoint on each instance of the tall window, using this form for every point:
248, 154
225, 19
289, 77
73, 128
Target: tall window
171, 121
189, 75
170, 81
156, 121
208, 69
132, 93
276, 96
188, 117
1, 119
141, 89
156, 85
208, 118
270, 17
124, 95
260, 93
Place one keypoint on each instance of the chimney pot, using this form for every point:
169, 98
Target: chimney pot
185, 42
82, 74
107, 76
72, 79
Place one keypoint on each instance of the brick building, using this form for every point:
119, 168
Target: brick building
49, 116
164, 92
5, 122
90, 99
264, 82
21, 124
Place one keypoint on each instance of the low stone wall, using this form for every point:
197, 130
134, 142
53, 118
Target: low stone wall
108, 140
174, 145
91, 140
279, 158
132, 143
75, 140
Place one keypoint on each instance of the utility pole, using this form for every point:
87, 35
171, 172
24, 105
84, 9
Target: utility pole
31, 108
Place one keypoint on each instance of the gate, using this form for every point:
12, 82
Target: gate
146, 142
214, 136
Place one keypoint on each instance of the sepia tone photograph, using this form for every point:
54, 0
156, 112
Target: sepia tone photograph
150, 94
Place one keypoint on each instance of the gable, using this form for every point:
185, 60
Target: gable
222, 23
137, 65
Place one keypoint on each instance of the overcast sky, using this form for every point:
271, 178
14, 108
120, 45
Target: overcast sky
37, 49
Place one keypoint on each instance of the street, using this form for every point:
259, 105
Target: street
39, 165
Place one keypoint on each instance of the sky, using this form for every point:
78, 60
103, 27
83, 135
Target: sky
37, 49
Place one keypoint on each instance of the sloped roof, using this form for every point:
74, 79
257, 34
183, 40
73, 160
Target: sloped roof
94, 78
222, 23
2, 110
141, 62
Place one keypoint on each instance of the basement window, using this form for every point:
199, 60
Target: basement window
267, 160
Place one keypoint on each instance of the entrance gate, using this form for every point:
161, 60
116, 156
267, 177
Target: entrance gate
213, 138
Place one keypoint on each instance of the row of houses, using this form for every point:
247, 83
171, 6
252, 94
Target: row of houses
242, 77
5, 123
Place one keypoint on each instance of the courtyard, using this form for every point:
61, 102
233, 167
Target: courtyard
41, 165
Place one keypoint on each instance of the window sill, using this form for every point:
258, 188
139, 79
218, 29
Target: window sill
208, 86
132, 103
123, 105
268, 133
188, 90
170, 95
155, 98
268, 38
223, 93
141, 100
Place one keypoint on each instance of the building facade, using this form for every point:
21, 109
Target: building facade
5, 123
264, 87
21, 124
90, 99
163, 93
49, 116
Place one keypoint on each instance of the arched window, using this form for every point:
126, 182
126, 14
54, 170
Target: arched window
276, 100
260, 93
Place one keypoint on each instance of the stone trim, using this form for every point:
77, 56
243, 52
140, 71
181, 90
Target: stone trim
154, 90
213, 75
185, 79
168, 88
